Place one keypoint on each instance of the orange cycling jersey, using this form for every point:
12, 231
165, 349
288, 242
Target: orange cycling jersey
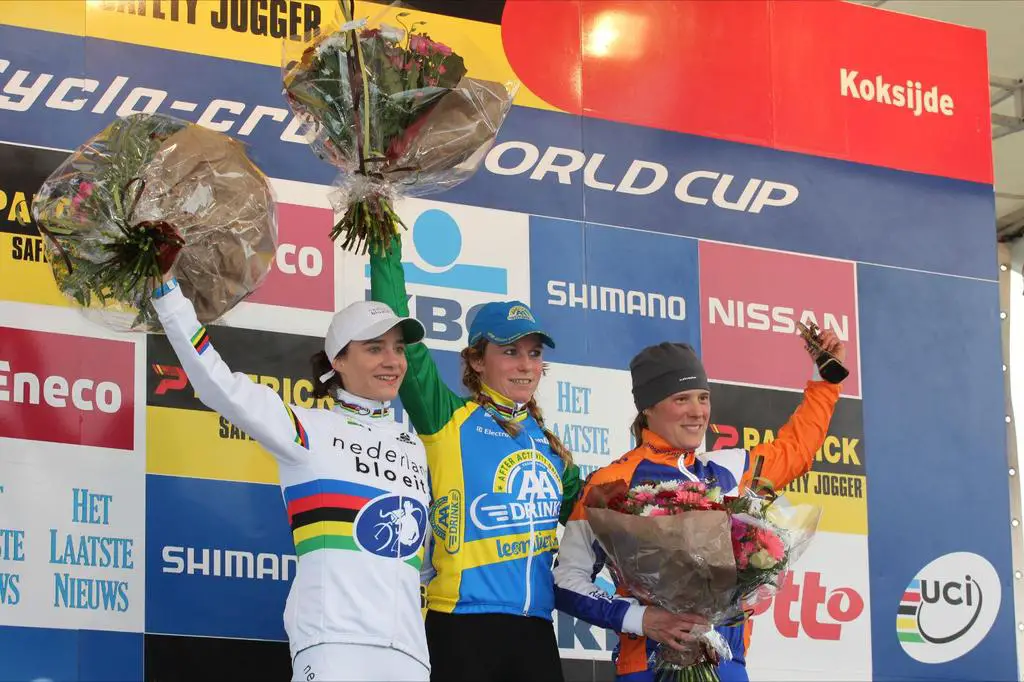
580, 557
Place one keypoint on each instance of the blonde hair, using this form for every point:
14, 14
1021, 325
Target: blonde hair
471, 380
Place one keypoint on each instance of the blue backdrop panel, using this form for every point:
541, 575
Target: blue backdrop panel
933, 422
606, 292
60, 655
209, 594
843, 210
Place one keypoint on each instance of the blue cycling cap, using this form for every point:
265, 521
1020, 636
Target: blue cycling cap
506, 322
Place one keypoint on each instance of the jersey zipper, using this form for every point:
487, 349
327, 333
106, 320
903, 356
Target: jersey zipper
530, 510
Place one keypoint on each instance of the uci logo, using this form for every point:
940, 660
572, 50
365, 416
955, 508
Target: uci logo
948, 608
391, 526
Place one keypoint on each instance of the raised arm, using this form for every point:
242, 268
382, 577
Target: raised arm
791, 454
428, 401
254, 408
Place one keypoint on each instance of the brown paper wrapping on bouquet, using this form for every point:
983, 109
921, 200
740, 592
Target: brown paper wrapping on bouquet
463, 122
230, 242
683, 563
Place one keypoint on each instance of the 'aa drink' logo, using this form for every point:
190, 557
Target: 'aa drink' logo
948, 608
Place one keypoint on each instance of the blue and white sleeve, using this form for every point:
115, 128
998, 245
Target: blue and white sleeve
579, 560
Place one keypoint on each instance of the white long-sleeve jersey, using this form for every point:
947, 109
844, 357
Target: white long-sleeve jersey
355, 490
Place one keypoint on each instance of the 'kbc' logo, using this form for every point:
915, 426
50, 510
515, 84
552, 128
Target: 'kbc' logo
948, 608
437, 239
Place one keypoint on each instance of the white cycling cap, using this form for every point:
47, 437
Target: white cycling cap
362, 321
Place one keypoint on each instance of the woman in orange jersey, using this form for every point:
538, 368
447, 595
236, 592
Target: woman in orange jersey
673, 401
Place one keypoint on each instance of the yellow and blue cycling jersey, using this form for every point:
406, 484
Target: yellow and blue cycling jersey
496, 499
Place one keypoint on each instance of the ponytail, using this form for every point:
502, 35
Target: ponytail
471, 380
637, 428
322, 365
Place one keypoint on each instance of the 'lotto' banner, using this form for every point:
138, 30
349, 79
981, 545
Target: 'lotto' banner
634, 195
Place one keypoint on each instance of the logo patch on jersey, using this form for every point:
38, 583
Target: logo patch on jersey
391, 526
526, 486
446, 520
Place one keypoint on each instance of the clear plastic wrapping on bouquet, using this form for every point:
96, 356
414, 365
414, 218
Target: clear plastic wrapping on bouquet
384, 99
140, 184
688, 563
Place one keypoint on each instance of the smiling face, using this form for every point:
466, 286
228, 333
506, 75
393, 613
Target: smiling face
513, 370
682, 418
374, 369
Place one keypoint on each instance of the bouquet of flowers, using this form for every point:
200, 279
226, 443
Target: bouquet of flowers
396, 113
150, 188
687, 548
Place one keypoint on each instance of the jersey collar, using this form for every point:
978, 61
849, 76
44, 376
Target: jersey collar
504, 408
666, 451
351, 404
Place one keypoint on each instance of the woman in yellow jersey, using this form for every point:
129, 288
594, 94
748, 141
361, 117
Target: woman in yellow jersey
498, 478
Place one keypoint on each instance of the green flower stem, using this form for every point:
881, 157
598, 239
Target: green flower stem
370, 222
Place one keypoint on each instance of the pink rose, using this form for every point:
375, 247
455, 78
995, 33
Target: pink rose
419, 44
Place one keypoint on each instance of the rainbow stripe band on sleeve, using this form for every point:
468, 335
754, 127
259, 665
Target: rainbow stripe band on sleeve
321, 514
301, 437
201, 340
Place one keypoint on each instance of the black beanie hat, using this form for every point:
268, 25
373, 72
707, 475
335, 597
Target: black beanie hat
663, 370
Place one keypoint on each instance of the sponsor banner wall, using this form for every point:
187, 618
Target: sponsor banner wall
63, 654
818, 622
746, 417
72, 473
186, 438
747, 317
593, 283
215, 574
935, 421
455, 259
655, 180
659, 181
590, 410
624, 215
878, 102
